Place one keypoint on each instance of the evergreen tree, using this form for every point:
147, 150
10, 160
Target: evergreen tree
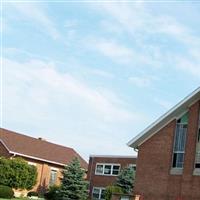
125, 180
73, 185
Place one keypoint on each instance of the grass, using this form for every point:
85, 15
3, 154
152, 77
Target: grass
20, 199
16, 199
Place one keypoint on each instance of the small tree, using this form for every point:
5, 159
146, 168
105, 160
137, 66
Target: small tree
16, 173
125, 180
112, 189
73, 185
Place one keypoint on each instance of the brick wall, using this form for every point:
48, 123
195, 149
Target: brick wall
101, 180
153, 178
43, 170
43, 177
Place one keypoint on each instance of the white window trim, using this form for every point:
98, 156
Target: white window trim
32, 163
100, 191
111, 164
54, 169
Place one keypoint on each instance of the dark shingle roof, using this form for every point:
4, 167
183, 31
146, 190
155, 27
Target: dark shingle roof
37, 148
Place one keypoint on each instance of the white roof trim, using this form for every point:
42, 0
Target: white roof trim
164, 119
27, 156
36, 158
4, 145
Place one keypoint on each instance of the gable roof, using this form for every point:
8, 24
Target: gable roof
174, 112
38, 149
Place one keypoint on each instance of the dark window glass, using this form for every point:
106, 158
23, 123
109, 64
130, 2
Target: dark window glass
107, 169
96, 193
116, 170
103, 194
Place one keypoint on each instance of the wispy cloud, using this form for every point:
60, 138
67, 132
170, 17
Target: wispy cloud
146, 81
142, 24
163, 103
53, 82
113, 50
101, 73
35, 12
47, 102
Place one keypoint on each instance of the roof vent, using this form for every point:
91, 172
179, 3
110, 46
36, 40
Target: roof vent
42, 139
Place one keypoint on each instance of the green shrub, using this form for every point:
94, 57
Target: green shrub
52, 193
6, 192
32, 193
112, 189
17, 173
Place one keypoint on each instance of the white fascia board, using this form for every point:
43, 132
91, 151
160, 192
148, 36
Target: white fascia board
5, 145
27, 156
165, 119
36, 158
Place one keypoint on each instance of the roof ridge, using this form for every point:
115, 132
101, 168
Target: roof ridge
36, 139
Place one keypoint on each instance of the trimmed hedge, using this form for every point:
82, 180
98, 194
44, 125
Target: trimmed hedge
6, 192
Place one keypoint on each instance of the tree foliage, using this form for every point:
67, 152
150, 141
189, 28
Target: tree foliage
125, 180
112, 189
73, 185
16, 173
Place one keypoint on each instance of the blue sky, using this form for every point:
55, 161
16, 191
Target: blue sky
92, 75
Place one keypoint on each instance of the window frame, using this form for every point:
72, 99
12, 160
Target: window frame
174, 141
107, 164
197, 143
51, 183
100, 192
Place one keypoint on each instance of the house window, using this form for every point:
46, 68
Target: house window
99, 169
116, 169
107, 169
197, 160
180, 141
53, 177
132, 166
98, 193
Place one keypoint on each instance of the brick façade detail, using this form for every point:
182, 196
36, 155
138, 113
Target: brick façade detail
153, 178
104, 180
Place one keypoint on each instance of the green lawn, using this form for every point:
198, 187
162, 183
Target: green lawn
20, 199
15, 199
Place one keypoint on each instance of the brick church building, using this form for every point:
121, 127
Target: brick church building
168, 163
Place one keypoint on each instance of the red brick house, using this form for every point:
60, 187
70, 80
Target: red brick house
103, 170
49, 158
168, 163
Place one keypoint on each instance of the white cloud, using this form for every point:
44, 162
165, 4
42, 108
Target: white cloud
163, 103
141, 81
188, 65
41, 101
113, 50
140, 23
102, 73
120, 53
44, 77
35, 13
